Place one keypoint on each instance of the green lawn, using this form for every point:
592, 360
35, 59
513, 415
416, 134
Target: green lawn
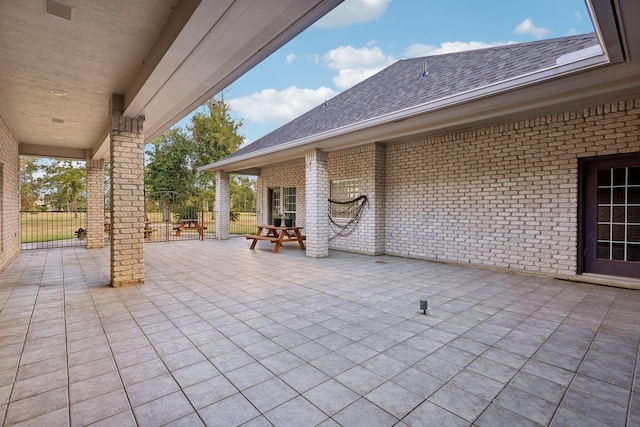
46, 226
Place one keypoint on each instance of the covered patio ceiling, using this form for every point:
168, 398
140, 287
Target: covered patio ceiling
63, 61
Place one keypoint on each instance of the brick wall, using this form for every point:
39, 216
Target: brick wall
365, 163
127, 202
95, 203
502, 196
317, 204
223, 204
9, 195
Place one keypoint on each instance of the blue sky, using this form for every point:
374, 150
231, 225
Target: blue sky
361, 37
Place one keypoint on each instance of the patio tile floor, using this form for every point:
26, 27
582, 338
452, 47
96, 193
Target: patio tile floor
221, 335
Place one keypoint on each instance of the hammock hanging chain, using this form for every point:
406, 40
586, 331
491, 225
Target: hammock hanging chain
345, 216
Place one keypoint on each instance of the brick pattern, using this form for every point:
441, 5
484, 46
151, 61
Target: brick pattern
290, 175
9, 195
365, 163
223, 204
503, 196
127, 201
95, 204
317, 183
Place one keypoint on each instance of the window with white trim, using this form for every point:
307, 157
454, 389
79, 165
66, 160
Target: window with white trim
289, 203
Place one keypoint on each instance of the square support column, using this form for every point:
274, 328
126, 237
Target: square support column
317, 222
377, 200
127, 201
223, 205
95, 203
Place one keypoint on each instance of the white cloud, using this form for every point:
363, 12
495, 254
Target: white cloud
353, 12
355, 64
290, 58
417, 50
527, 27
578, 16
279, 107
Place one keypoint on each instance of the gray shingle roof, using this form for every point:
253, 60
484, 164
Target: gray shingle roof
400, 85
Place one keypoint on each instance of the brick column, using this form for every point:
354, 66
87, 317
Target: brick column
223, 204
377, 199
317, 183
95, 203
127, 201
262, 203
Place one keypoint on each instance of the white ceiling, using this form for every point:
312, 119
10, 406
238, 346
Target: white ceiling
165, 57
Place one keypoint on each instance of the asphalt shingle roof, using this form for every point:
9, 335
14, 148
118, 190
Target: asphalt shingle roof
400, 85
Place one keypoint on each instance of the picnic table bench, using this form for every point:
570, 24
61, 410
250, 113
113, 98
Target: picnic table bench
147, 229
189, 224
277, 235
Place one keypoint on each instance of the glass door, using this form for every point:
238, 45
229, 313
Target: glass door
612, 217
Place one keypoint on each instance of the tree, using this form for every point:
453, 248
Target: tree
172, 159
243, 192
30, 183
65, 185
169, 165
216, 135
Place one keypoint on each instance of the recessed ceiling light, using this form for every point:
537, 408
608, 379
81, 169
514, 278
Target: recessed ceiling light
58, 92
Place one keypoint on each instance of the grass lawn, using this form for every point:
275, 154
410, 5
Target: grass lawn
47, 226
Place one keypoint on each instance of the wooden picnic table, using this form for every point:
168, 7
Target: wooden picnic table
277, 235
189, 224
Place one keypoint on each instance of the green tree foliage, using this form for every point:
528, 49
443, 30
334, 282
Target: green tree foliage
243, 192
215, 135
64, 184
173, 157
170, 163
30, 183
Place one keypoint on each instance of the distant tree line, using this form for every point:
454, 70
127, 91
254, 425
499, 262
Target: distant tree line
50, 184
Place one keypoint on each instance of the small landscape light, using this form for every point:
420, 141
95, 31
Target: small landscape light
424, 306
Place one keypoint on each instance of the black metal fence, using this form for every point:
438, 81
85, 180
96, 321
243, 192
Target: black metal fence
52, 229
243, 222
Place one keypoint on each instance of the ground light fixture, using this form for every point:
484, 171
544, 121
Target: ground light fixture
424, 306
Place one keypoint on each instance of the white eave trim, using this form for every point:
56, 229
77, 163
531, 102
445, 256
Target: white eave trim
583, 59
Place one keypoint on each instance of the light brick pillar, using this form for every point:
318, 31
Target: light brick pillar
127, 201
223, 204
377, 199
262, 203
95, 203
317, 222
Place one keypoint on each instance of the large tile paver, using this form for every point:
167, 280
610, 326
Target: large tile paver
340, 341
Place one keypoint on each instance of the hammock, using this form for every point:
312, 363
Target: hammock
345, 216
